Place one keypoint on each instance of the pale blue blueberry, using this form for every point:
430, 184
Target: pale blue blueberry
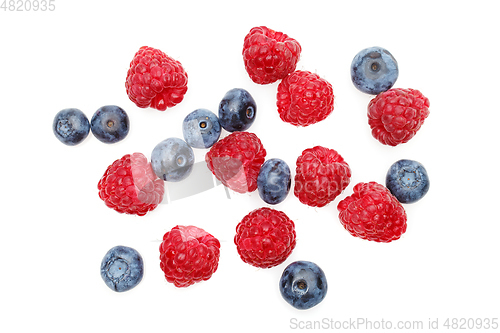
122, 268
374, 70
110, 124
407, 180
201, 128
71, 126
172, 160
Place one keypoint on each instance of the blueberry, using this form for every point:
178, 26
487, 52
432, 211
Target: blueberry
172, 159
374, 70
122, 268
407, 180
110, 124
71, 126
201, 128
237, 110
274, 181
303, 284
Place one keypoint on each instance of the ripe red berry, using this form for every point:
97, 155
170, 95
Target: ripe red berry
304, 98
155, 80
188, 254
397, 114
321, 175
265, 237
236, 160
372, 213
269, 55
130, 186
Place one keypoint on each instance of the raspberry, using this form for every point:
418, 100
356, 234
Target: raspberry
373, 213
269, 55
188, 254
265, 237
321, 175
155, 80
130, 186
397, 114
304, 98
236, 160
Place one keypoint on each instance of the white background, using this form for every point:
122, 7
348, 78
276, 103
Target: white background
55, 229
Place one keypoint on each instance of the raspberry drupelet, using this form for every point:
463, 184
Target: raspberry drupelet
155, 80
321, 175
130, 185
396, 115
372, 213
236, 161
304, 98
265, 237
269, 55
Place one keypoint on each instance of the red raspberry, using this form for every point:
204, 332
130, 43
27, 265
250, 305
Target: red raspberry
373, 213
321, 175
397, 114
265, 237
155, 80
304, 98
269, 55
236, 161
188, 255
130, 186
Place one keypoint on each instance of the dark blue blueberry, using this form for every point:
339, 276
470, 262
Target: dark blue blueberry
274, 181
374, 70
407, 180
71, 126
172, 159
122, 268
201, 128
303, 284
237, 110
110, 124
